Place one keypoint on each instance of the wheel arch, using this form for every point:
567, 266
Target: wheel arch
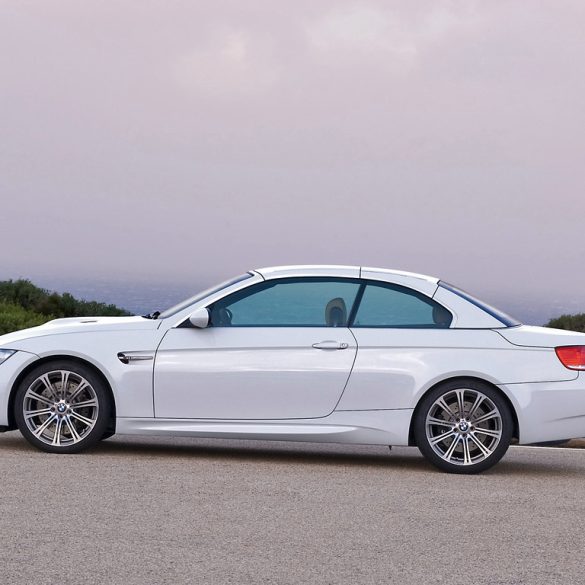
55, 358
463, 379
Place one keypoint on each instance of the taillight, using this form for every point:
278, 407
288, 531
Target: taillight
572, 356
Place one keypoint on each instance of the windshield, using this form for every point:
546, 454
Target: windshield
504, 318
186, 303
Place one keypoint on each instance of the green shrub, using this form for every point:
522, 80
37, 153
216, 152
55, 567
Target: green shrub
25, 294
22, 293
13, 318
571, 322
22, 305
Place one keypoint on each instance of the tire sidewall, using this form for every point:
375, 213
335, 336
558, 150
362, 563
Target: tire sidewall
420, 426
104, 406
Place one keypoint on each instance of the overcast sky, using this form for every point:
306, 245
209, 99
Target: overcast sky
184, 142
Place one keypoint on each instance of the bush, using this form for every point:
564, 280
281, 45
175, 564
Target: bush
571, 322
13, 318
22, 293
25, 294
22, 305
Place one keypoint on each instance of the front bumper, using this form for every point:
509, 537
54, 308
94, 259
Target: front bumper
9, 372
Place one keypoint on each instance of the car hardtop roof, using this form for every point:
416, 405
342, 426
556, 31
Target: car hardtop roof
339, 270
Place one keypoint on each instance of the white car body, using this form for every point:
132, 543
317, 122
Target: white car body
271, 383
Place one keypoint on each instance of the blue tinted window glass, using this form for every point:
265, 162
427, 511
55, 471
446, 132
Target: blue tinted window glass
386, 305
295, 302
199, 296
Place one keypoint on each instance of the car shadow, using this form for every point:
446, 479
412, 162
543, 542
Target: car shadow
402, 458
363, 456
256, 451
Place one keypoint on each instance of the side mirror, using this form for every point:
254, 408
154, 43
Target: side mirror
200, 318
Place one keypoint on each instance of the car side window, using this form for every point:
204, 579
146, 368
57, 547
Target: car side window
290, 302
394, 306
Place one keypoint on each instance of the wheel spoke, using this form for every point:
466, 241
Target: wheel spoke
74, 434
64, 383
488, 432
32, 413
485, 451
31, 394
466, 453
431, 420
80, 388
441, 402
437, 440
84, 404
57, 435
478, 400
43, 427
460, 402
491, 414
49, 386
87, 421
452, 447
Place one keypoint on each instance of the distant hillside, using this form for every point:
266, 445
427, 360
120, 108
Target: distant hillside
572, 322
22, 304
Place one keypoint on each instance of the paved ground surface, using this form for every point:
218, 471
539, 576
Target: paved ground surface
148, 511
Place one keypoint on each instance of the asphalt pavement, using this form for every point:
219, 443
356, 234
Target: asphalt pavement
157, 511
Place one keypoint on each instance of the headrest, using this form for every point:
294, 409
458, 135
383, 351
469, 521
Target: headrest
336, 313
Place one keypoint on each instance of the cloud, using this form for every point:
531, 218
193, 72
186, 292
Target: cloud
381, 32
232, 63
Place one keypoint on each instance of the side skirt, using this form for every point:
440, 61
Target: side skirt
368, 427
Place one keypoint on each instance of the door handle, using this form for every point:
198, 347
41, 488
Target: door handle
330, 345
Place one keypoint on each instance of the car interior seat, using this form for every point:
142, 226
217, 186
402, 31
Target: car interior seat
221, 317
336, 313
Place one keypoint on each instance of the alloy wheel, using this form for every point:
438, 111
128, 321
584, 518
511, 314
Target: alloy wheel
464, 426
60, 408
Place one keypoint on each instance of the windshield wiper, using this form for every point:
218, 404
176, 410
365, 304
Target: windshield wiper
153, 315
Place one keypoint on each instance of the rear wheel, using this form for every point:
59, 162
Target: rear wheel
62, 407
463, 427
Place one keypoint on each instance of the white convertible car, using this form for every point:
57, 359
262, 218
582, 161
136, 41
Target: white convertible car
306, 353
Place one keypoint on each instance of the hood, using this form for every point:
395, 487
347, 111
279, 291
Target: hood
529, 336
79, 325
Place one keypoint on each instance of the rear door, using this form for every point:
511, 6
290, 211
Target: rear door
402, 335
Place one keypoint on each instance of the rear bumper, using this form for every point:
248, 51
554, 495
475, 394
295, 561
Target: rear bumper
549, 411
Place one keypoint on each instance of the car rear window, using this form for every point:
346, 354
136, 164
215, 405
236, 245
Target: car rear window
504, 318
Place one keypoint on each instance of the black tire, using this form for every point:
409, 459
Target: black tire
72, 403
435, 441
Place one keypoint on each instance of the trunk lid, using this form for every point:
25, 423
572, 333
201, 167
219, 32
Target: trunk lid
530, 336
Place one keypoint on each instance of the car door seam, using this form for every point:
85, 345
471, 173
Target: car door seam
350, 372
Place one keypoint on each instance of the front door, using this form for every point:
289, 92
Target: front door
279, 349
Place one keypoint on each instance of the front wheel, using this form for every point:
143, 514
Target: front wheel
463, 427
62, 407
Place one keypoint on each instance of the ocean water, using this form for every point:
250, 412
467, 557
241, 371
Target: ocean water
138, 298
141, 298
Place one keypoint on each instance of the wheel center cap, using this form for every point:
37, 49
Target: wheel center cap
463, 426
61, 407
